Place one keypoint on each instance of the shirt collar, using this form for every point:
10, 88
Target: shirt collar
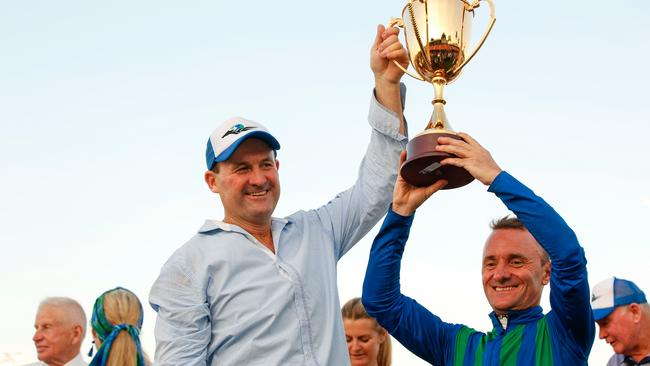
516, 317
212, 225
77, 361
629, 361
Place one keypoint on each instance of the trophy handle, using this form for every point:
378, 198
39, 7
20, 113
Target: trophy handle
473, 6
398, 22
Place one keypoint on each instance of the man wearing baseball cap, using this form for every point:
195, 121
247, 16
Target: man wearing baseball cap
253, 289
623, 315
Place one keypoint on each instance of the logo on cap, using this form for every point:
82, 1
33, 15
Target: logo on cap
234, 130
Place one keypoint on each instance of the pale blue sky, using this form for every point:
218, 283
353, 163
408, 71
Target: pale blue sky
105, 109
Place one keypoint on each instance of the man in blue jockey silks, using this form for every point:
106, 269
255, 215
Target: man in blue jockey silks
521, 256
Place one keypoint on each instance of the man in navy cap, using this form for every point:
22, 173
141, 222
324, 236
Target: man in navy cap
622, 312
253, 289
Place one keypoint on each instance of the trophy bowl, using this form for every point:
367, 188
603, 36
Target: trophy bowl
437, 34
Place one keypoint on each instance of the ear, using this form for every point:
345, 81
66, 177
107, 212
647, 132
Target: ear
635, 309
546, 278
211, 180
382, 336
98, 343
277, 164
77, 334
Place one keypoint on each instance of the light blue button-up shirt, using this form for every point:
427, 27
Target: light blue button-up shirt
225, 299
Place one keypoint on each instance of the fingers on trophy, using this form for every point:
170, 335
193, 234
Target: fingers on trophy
437, 33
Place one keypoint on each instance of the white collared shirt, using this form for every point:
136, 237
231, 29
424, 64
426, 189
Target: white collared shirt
77, 361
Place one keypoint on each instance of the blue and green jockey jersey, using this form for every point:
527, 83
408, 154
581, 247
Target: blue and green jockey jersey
563, 336
526, 344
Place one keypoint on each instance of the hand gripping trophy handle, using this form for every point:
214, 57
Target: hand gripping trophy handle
437, 33
400, 23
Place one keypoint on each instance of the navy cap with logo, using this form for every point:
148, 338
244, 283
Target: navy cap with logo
229, 135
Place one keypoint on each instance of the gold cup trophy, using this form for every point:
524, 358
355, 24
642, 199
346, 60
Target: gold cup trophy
437, 33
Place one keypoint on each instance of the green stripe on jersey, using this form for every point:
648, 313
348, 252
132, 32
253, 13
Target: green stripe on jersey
543, 351
510, 346
462, 338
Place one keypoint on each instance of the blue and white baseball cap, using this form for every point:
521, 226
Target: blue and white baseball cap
613, 292
229, 135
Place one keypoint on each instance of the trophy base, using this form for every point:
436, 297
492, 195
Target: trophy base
422, 166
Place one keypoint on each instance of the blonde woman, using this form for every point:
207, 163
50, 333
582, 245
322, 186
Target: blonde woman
116, 323
368, 343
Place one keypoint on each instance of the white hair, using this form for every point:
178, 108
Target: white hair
73, 312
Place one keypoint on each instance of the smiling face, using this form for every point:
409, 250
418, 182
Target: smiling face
248, 184
364, 340
513, 272
57, 341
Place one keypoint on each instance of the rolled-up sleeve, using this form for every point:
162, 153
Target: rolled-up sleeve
354, 212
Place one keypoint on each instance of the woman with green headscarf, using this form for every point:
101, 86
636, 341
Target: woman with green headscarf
116, 323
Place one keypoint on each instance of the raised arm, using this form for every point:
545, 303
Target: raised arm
352, 213
569, 286
410, 323
569, 283
384, 50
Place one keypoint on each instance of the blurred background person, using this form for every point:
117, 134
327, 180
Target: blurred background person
60, 328
623, 315
368, 343
116, 324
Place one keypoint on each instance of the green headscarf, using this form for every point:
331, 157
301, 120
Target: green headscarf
107, 332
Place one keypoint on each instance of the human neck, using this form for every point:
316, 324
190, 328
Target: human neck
261, 231
61, 361
643, 350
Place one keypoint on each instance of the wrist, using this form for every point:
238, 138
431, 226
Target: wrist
388, 95
490, 176
402, 209
385, 84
